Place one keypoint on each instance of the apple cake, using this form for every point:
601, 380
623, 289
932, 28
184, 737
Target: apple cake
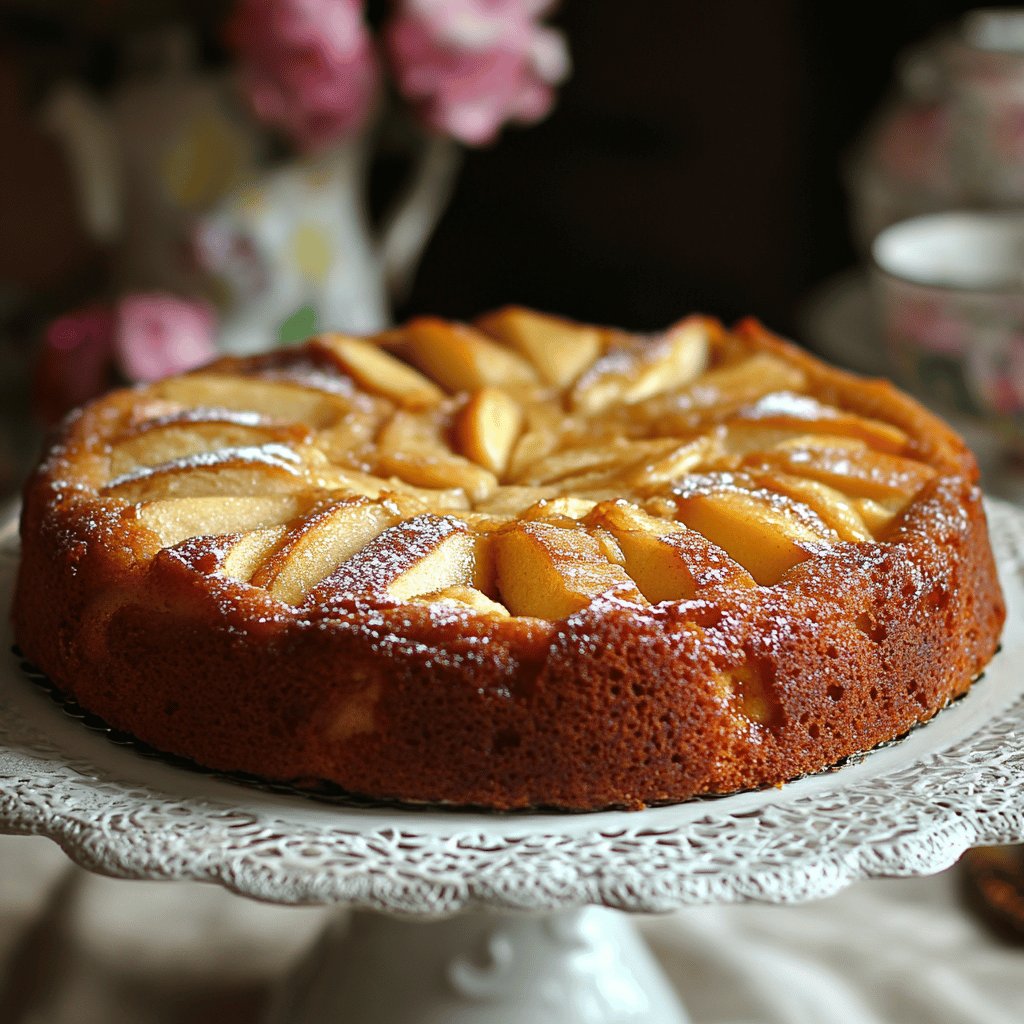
523, 563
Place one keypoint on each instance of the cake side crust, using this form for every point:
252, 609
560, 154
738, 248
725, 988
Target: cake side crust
613, 706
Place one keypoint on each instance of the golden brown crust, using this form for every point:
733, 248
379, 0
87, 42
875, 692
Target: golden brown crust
619, 704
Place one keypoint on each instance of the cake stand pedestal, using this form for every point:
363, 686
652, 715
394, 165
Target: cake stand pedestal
585, 966
471, 918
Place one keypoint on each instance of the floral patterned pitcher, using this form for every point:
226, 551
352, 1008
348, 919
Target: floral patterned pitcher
175, 179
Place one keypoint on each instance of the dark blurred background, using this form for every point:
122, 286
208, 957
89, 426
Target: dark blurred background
693, 161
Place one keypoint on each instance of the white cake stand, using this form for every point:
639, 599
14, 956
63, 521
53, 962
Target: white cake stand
518, 928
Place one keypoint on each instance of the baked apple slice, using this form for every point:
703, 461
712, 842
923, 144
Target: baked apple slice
879, 514
680, 457
544, 430
550, 572
351, 440
380, 372
618, 457
559, 349
487, 428
421, 555
849, 466
439, 471
264, 469
411, 448
461, 358
719, 392
767, 533
176, 519
565, 507
322, 542
184, 434
624, 375
463, 597
280, 400
243, 555
342, 481
804, 414
835, 508
511, 499
667, 561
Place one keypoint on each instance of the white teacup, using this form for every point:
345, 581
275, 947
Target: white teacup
949, 289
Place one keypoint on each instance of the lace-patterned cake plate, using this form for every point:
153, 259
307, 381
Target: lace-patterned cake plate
909, 808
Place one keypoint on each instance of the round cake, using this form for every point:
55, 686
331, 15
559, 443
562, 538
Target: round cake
524, 563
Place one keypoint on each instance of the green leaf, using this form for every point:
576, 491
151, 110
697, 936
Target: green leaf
299, 326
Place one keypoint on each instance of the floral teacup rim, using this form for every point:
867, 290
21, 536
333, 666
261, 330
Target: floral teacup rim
966, 251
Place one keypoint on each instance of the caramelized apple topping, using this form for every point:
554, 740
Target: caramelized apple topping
525, 466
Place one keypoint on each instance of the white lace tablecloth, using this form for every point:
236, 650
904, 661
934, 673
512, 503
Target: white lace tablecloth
77, 948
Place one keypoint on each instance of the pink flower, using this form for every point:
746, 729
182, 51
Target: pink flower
157, 335
308, 66
144, 337
470, 66
76, 361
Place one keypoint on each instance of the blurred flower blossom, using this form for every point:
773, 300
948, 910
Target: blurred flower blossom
470, 66
308, 66
75, 362
143, 337
156, 335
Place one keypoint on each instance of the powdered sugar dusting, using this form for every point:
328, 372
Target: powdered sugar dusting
789, 404
209, 414
395, 552
409, 546
277, 455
